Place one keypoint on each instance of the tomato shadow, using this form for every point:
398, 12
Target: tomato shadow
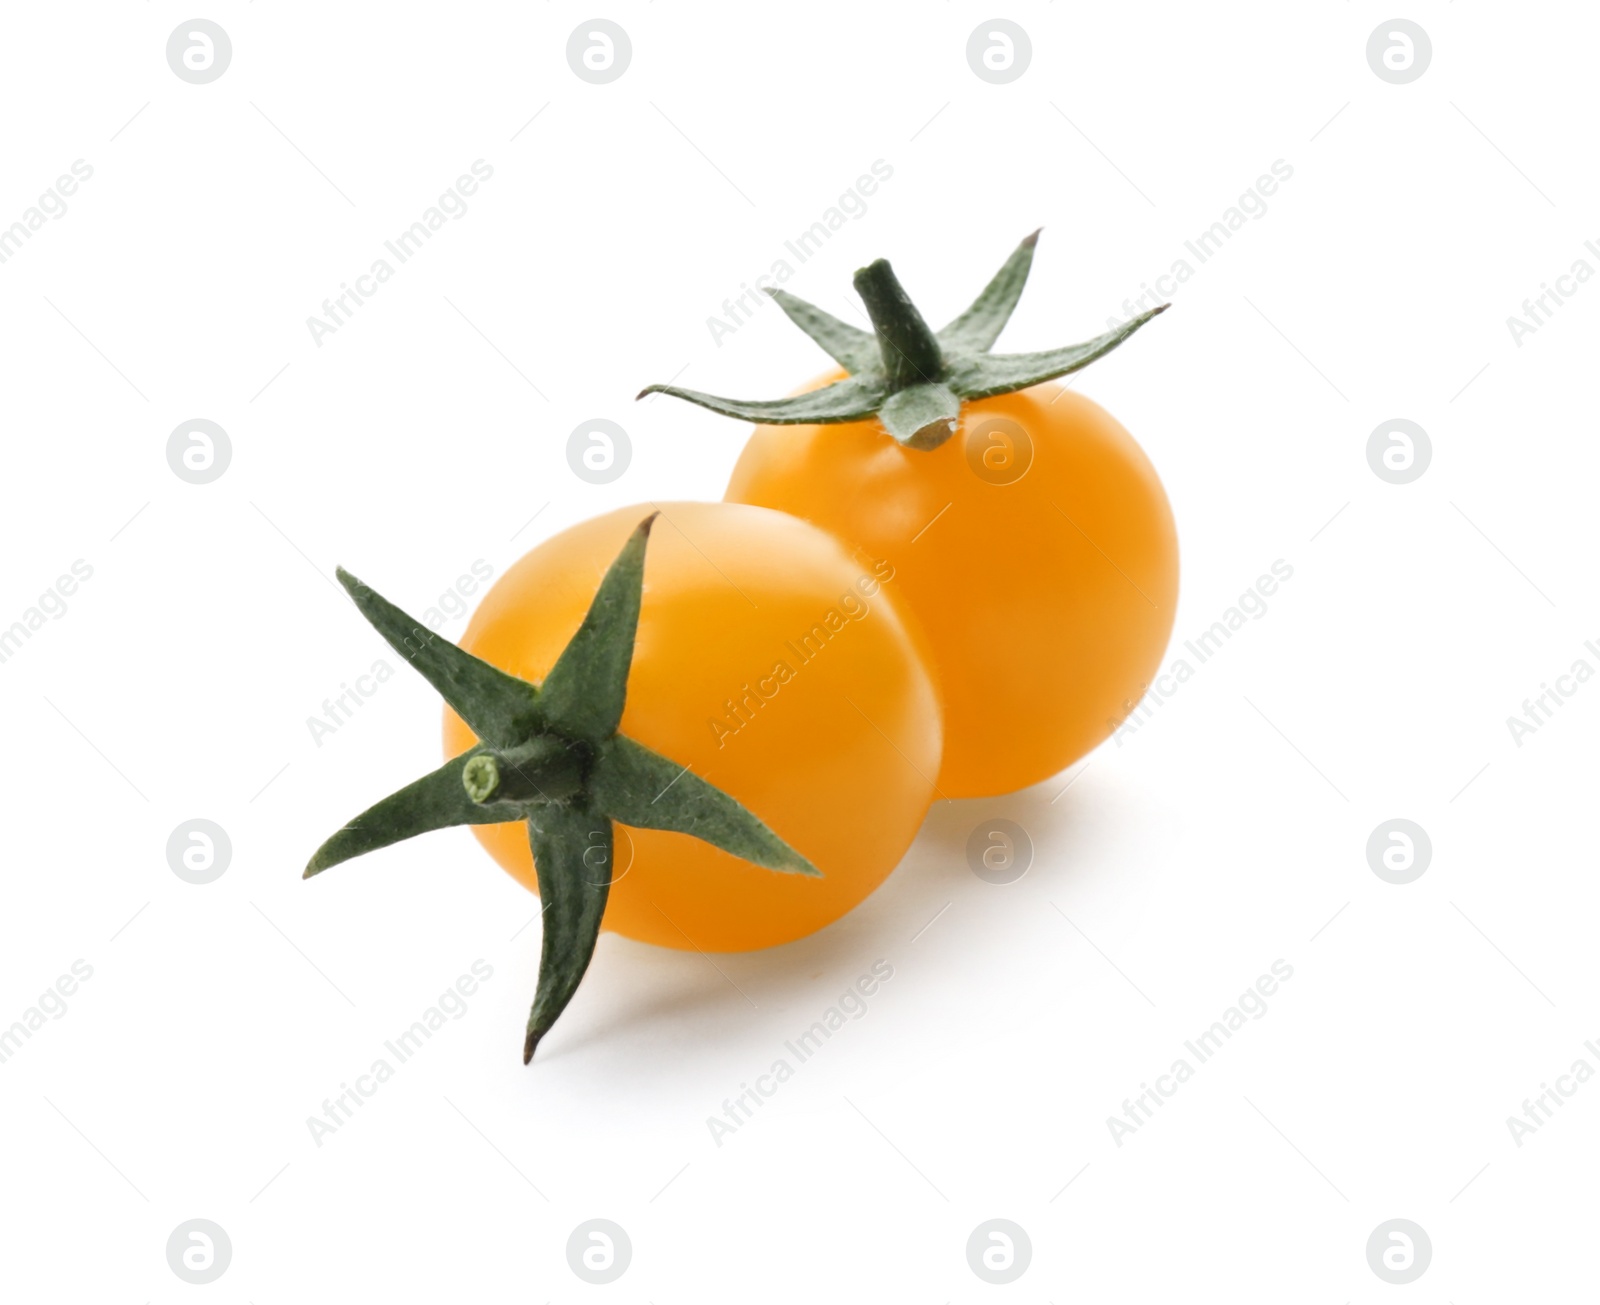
973, 860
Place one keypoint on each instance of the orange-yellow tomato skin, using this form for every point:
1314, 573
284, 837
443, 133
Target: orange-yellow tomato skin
1047, 598
832, 738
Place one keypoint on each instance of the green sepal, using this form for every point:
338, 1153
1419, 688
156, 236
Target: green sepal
572, 852
923, 416
851, 399
553, 759
436, 801
586, 689
976, 330
638, 787
852, 348
910, 382
982, 375
499, 708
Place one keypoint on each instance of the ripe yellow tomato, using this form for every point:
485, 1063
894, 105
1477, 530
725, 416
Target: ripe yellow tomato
1036, 548
770, 662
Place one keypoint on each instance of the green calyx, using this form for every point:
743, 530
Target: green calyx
911, 378
550, 755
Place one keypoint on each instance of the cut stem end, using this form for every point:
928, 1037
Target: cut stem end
481, 777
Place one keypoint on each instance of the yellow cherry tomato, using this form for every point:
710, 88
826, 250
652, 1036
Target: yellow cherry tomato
1036, 548
773, 664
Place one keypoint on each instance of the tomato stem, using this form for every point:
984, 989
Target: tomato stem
911, 353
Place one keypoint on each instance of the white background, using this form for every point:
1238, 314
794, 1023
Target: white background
1228, 832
